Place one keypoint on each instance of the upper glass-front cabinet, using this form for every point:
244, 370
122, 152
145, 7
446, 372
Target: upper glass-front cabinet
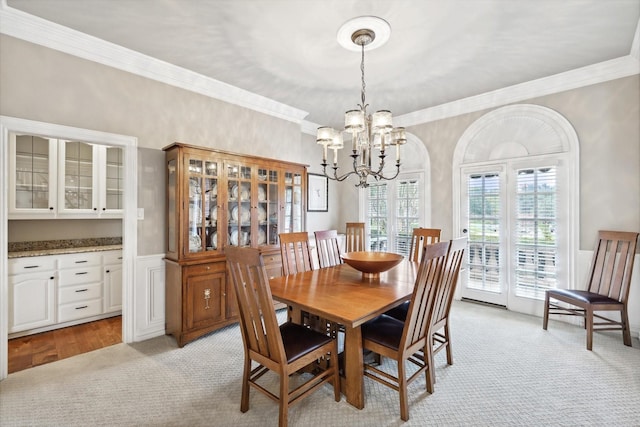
217, 199
33, 175
52, 178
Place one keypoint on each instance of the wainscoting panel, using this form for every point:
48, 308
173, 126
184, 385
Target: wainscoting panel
149, 297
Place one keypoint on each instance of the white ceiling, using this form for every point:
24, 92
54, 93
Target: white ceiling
286, 50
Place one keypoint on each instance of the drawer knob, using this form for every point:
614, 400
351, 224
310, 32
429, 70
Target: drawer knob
82, 290
82, 307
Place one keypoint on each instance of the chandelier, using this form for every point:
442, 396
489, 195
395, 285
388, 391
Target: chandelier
370, 133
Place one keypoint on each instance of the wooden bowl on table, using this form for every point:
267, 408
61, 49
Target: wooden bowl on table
371, 264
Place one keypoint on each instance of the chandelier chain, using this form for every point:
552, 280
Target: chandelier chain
363, 83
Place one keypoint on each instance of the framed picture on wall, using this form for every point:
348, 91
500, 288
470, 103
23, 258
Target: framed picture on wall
317, 193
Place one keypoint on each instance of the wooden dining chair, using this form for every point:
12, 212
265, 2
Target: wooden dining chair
283, 349
440, 332
420, 238
354, 237
607, 287
328, 247
401, 341
296, 256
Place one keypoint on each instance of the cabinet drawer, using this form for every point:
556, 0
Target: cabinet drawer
79, 260
79, 275
79, 293
210, 267
112, 257
273, 264
79, 310
31, 264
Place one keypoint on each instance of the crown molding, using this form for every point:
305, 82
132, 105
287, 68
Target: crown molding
36, 30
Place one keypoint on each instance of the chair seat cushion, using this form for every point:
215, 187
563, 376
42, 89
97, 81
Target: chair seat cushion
384, 330
299, 340
399, 312
582, 296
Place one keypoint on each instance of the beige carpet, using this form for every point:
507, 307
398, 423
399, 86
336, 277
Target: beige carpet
507, 372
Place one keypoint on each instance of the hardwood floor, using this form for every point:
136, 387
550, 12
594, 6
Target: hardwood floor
38, 349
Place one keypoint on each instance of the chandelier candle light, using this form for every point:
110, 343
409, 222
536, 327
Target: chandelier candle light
368, 132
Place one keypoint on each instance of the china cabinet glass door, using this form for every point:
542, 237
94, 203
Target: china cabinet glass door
202, 212
267, 207
293, 207
239, 204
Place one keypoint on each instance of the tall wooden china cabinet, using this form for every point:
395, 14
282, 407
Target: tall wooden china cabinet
216, 198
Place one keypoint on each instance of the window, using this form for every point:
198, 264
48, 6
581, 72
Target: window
394, 209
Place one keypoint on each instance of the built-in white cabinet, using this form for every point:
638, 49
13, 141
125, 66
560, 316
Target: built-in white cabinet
55, 178
48, 292
32, 299
112, 274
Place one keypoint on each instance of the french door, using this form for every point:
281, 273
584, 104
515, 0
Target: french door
514, 215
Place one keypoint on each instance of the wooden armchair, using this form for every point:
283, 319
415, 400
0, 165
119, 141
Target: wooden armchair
354, 237
283, 349
422, 237
401, 341
296, 256
328, 248
607, 289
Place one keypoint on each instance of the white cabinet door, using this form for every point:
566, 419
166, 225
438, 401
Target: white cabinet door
32, 176
111, 182
78, 179
112, 268
32, 301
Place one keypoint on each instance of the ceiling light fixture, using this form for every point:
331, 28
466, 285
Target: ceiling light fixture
368, 132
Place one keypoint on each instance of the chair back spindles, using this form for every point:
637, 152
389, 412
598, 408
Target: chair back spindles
296, 256
420, 238
328, 248
612, 265
354, 237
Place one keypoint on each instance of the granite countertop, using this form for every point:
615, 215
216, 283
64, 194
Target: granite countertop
57, 247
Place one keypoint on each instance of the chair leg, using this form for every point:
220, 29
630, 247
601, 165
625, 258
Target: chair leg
626, 333
430, 371
244, 400
589, 325
283, 417
448, 344
402, 390
545, 318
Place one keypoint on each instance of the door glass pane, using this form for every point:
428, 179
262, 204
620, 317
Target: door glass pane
239, 204
115, 178
171, 201
293, 202
377, 217
32, 172
484, 232
536, 247
211, 205
407, 213
78, 175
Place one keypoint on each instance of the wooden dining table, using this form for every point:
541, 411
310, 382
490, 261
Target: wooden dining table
341, 294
